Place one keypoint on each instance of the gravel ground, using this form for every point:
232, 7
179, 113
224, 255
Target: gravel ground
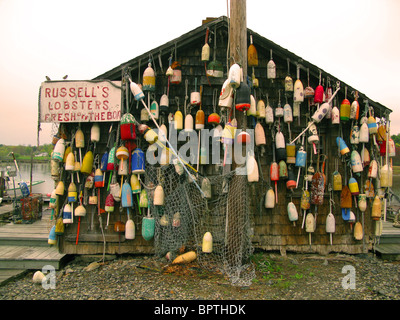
290, 277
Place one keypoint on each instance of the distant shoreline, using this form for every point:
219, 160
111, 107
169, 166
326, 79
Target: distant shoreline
24, 160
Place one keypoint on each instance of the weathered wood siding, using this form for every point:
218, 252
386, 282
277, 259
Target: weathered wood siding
271, 227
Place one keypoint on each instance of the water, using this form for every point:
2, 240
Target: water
40, 171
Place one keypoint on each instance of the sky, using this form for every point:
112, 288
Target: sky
357, 41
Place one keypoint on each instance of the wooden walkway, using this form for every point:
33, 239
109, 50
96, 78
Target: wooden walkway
24, 247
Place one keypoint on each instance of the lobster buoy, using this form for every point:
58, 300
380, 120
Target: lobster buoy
372, 126
158, 196
109, 204
321, 112
80, 211
98, 179
290, 153
148, 228
345, 110
354, 110
176, 77
260, 135
72, 193
178, 120
87, 163
214, 118
287, 113
59, 150
226, 95
342, 146
362, 202
358, 231
355, 135
163, 133
298, 95
330, 225
130, 229
252, 111
122, 154
95, 133
337, 181
155, 109
127, 127
70, 162
185, 258
378, 228
261, 113
243, 99
305, 201
376, 208
200, 119
234, 76
207, 245
270, 199
310, 223
283, 172
149, 79
52, 239
291, 181
228, 134
252, 56
301, 158
126, 195
386, 176
135, 184
292, 212
353, 186
373, 169
189, 123
319, 94
356, 163
252, 169
111, 160
143, 199
335, 115
392, 148
345, 202
136, 91
269, 114
60, 189
271, 68
164, 104
38, 277
364, 133
138, 161
67, 214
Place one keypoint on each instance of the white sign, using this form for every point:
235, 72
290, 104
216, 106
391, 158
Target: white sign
80, 101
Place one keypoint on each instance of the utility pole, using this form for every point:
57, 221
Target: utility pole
236, 236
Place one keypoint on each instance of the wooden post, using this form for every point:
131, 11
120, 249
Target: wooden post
238, 54
238, 44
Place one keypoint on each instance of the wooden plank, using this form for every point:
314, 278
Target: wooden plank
7, 275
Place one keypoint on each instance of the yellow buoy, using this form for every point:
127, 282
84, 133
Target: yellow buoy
185, 258
207, 243
87, 163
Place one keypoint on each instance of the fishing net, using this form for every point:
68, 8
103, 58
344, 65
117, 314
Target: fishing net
187, 215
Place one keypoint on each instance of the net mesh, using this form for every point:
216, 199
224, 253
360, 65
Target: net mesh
187, 215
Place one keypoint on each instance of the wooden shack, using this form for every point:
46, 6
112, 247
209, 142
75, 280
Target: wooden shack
270, 228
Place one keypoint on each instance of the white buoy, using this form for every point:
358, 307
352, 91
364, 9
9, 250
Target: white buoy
270, 199
207, 245
130, 230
